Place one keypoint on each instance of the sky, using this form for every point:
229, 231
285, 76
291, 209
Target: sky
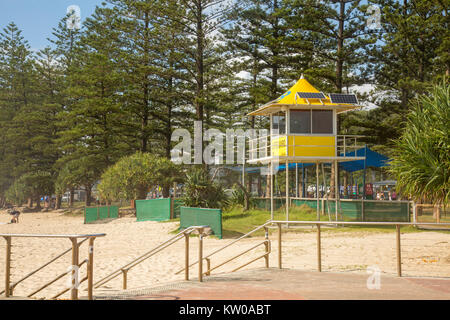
37, 18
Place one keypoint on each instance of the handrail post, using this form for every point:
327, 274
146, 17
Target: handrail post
319, 250
74, 273
186, 256
90, 267
200, 257
266, 246
124, 281
208, 266
279, 245
399, 257
8, 267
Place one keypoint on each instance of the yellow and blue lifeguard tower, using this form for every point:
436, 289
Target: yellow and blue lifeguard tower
303, 129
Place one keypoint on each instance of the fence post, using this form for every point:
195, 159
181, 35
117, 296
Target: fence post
171, 207
208, 266
90, 267
266, 245
200, 257
8, 267
124, 280
186, 256
319, 250
74, 289
399, 257
279, 245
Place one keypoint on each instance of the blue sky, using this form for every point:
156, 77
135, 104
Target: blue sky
37, 18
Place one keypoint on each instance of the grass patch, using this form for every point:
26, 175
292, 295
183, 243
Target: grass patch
237, 222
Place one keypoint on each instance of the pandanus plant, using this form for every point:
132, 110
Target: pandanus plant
421, 161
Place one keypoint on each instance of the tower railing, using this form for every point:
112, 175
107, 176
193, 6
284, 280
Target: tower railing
265, 146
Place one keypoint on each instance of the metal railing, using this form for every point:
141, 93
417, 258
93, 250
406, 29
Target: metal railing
348, 143
261, 147
9, 288
182, 234
267, 251
438, 211
279, 225
318, 224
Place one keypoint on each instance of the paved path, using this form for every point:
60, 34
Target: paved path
288, 284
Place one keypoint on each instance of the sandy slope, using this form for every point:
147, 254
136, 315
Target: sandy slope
424, 254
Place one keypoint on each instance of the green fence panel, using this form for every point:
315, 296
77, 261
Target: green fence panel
374, 211
103, 213
264, 203
386, 211
351, 210
153, 210
310, 203
113, 212
90, 215
202, 217
177, 203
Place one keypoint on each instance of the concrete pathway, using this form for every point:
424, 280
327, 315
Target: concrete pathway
288, 284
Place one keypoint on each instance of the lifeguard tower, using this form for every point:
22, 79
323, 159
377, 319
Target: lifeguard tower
303, 129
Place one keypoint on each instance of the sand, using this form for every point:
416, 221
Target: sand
423, 253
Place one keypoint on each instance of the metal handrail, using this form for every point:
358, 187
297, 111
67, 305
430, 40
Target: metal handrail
55, 279
265, 242
30, 235
124, 269
227, 245
358, 223
279, 223
75, 250
13, 286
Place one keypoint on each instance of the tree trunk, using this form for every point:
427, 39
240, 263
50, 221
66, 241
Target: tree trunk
30, 203
142, 193
268, 180
88, 195
38, 202
340, 45
58, 202
166, 191
71, 198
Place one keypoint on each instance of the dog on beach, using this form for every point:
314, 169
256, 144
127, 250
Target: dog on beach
15, 215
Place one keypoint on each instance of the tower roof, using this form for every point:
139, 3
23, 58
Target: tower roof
292, 99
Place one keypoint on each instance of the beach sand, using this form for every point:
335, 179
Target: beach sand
423, 253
